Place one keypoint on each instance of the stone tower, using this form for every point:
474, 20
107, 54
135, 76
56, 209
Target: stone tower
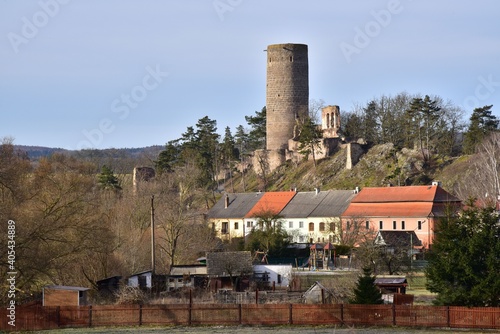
287, 92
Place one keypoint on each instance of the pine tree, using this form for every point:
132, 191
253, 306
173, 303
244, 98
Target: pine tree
464, 262
482, 122
365, 291
108, 180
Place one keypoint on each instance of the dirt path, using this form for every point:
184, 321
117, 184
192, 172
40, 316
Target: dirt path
261, 330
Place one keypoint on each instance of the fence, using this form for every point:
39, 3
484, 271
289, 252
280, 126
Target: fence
40, 318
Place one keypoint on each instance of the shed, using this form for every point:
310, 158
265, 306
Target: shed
186, 276
61, 295
141, 280
392, 284
319, 294
109, 286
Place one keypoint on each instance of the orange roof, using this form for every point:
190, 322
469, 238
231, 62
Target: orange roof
411, 201
404, 194
273, 201
417, 209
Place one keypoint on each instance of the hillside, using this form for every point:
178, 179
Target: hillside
381, 165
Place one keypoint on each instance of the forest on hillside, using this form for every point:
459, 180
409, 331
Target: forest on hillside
78, 218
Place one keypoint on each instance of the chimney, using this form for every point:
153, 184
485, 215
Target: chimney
226, 201
316, 190
436, 183
356, 190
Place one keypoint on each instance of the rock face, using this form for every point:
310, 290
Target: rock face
287, 92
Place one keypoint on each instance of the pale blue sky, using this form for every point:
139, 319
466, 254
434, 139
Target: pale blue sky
123, 73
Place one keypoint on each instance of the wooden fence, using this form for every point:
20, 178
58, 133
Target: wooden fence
40, 318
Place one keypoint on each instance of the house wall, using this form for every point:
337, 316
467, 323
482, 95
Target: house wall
56, 297
281, 275
425, 234
235, 228
133, 281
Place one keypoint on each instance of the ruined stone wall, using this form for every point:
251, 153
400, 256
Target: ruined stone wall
287, 92
330, 121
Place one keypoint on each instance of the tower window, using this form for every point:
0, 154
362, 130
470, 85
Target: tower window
291, 58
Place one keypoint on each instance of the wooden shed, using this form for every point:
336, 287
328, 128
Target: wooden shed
61, 295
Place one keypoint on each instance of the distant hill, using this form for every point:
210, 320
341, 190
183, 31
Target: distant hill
37, 152
121, 160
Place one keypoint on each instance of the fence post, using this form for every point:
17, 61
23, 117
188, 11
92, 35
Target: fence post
256, 296
190, 311
90, 316
448, 320
290, 314
240, 319
342, 313
140, 314
58, 316
393, 314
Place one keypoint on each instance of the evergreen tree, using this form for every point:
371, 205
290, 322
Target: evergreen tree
365, 291
424, 114
107, 179
228, 148
482, 123
168, 158
257, 135
464, 262
370, 124
309, 139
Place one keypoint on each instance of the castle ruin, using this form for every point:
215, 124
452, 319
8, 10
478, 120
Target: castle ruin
287, 105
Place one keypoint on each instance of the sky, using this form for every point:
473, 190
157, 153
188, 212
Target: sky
122, 73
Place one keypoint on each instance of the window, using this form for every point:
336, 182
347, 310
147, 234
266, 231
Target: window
367, 224
236, 225
301, 224
290, 224
394, 225
419, 226
347, 225
311, 227
279, 279
322, 227
249, 224
402, 224
224, 228
380, 225
332, 227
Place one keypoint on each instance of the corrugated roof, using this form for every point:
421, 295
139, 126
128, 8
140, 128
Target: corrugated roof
302, 204
239, 205
273, 201
432, 193
65, 287
334, 204
394, 280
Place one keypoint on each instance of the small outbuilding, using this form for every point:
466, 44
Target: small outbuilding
61, 295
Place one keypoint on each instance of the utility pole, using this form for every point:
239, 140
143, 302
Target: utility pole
152, 236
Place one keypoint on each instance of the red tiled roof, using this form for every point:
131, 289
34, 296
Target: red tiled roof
417, 209
404, 194
273, 202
